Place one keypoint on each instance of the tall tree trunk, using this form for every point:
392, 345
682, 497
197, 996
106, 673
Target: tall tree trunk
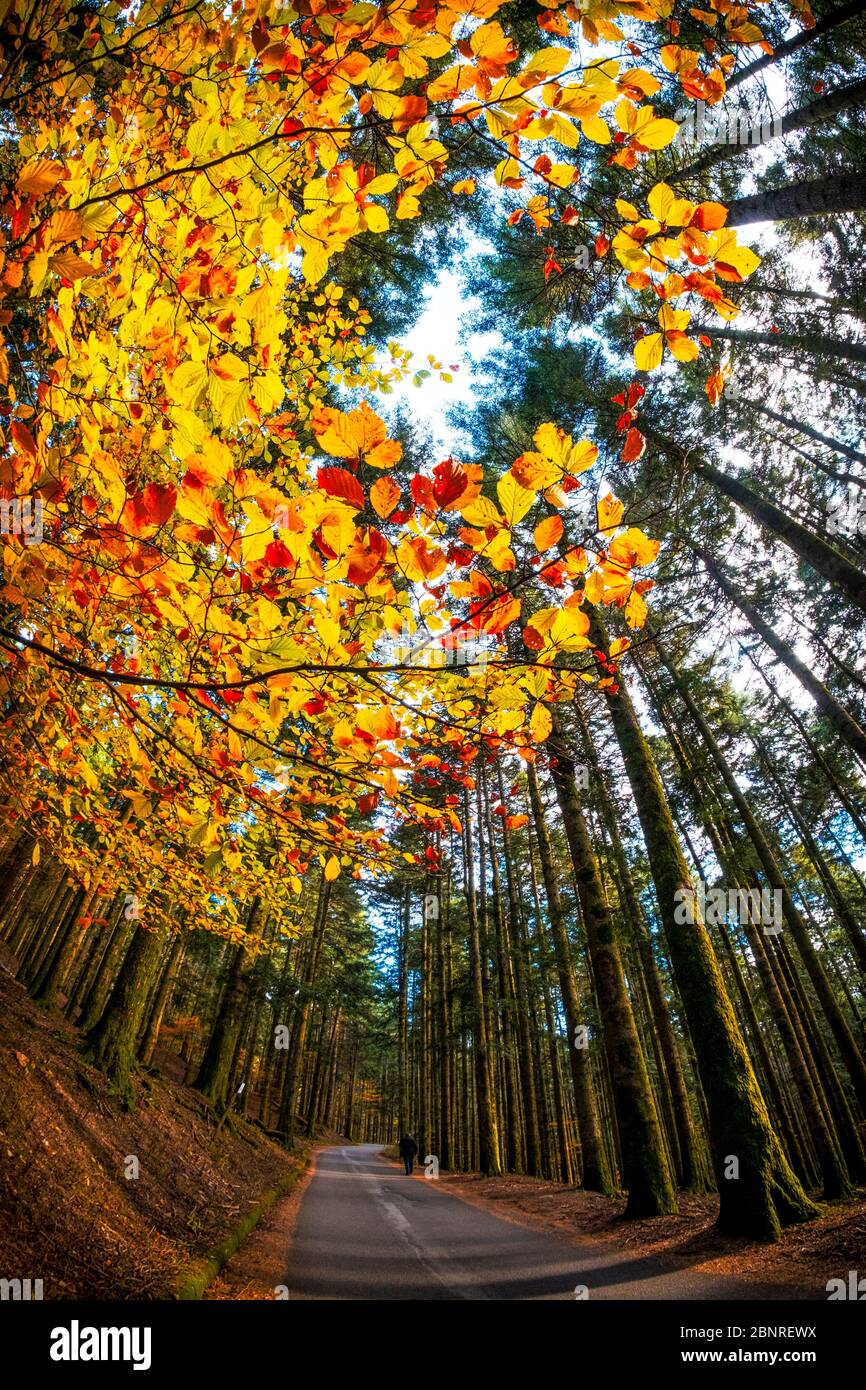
824, 108
810, 342
845, 725
488, 1132
851, 1054
596, 1174
823, 557
519, 947
113, 1041
214, 1073
840, 14
759, 1192
837, 192
163, 994
645, 1168
802, 427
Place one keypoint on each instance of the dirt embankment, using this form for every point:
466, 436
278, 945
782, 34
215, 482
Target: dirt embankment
71, 1211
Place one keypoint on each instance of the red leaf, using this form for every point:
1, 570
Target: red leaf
160, 500
449, 482
339, 482
422, 493
278, 557
322, 545
634, 445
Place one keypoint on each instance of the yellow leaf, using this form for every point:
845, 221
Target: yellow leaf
635, 611
547, 62
39, 176
627, 210
569, 628
480, 511
610, 511
657, 133
633, 547
739, 258
541, 723
684, 349
188, 382
514, 500
507, 169
332, 869
376, 218
561, 175
595, 129
666, 207
648, 352
355, 434
71, 267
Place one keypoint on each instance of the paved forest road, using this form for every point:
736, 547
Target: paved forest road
366, 1231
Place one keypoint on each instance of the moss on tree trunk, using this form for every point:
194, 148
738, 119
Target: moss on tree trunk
113, 1041
759, 1193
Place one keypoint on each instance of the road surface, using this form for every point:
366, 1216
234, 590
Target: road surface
366, 1231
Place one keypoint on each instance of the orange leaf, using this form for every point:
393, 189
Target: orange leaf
384, 495
547, 533
339, 482
634, 445
708, 217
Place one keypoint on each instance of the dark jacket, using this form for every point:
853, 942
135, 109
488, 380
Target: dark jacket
408, 1146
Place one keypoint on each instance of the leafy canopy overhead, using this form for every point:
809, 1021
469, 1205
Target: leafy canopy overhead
212, 650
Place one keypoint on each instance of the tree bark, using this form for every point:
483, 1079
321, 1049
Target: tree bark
759, 1192
596, 1175
838, 192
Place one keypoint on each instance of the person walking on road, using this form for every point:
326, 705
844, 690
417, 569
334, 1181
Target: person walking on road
408, 1149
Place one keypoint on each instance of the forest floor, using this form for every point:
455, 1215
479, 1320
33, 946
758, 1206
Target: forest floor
68, 1213
806, 1255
